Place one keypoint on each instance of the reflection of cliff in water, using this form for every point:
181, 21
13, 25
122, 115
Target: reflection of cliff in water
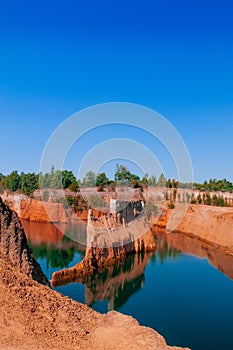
51, 234
116, 283
49, 243
216, 256
57, 257
165, 251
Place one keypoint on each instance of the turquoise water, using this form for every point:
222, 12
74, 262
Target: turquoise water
182, 296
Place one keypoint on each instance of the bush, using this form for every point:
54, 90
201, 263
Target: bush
171, 205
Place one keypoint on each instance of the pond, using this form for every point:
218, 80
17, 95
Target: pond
184, 290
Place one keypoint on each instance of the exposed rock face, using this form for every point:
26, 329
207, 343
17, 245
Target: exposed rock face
110, 239
97, 258
38, 211
14, 248
34, 210
213, 225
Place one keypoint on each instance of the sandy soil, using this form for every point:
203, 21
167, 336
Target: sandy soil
33, 316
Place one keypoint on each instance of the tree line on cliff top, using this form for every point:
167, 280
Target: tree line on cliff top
27, 183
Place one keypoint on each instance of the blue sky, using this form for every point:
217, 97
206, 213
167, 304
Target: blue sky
57, 57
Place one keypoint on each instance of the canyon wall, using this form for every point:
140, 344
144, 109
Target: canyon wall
213, 225
41, 211
208, 223
35, 210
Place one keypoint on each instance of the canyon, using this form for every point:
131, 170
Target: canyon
201, 221
35, 316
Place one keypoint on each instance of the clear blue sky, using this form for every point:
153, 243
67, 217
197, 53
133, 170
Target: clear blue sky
57, 57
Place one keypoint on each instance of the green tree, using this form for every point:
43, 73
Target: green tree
125, 177
68, 180
29, 182
122, 173
3, 182
44, 180
13, 181
199, 199
145, 179
102, 180
56, 179
89, 180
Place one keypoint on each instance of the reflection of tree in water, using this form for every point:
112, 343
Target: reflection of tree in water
130, 287
165, 252
56, 257
116, 283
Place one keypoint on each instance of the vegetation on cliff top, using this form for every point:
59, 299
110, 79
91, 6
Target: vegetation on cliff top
27, 183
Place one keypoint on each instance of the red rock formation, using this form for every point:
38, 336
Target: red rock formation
97, 257
213, 225
39, 211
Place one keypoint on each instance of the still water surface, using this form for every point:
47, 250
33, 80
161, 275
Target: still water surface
179, 290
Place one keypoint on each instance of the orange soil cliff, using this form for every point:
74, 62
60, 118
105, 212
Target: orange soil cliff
213, 225
208, 223
39, 211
